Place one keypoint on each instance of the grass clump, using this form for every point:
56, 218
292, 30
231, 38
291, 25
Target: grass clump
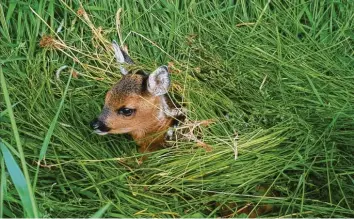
276, 76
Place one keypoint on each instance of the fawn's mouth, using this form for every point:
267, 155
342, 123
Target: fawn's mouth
99, 127
99, 132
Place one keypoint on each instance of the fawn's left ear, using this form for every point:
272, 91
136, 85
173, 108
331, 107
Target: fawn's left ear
122, 57
159, 81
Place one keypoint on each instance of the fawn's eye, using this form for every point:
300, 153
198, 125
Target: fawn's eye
125, 111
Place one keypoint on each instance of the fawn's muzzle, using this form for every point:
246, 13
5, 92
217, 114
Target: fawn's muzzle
99, 127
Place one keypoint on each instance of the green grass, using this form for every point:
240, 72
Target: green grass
282, 71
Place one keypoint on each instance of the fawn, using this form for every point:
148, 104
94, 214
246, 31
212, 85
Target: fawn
138, 105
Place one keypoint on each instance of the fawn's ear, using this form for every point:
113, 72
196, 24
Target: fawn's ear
122, 57
159, 81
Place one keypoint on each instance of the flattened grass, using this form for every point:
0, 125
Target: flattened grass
279, 74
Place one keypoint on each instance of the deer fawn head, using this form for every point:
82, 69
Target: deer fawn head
137, 105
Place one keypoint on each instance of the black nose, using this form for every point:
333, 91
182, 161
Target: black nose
97, 124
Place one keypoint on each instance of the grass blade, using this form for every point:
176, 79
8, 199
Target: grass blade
53, 123
50, 132
315, 90
18, 180
4, 24
101, 211
2, 186
18, 143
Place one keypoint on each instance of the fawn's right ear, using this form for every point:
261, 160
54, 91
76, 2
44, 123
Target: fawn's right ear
122, 57
159, 81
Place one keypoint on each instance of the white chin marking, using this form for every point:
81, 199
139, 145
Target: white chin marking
100, 132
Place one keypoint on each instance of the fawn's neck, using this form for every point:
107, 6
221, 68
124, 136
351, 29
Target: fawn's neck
154, 138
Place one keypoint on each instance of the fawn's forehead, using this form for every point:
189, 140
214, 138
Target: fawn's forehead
131, 84
128, 91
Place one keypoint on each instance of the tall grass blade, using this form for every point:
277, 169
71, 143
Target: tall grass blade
53, 123
29, 191
18, 180
50, 132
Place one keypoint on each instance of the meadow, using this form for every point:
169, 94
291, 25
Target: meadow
275, 77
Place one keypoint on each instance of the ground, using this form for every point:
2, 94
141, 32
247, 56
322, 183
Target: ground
276, 77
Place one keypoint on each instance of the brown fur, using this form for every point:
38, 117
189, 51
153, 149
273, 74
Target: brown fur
145, 126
